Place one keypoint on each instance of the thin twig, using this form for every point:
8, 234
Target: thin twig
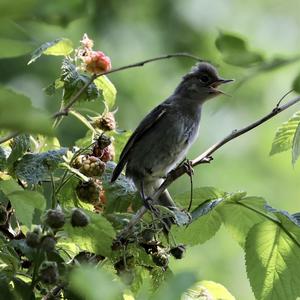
205, 157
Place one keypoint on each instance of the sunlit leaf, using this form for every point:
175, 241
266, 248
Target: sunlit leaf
97, 237
273, 260
108, 90
207, 290
25, 117
235, 50
284, 135
239, 215
58, 47
34, 168
206, 222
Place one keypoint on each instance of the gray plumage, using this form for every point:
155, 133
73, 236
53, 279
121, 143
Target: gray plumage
163, 137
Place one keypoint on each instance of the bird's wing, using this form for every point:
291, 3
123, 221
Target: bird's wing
147, 123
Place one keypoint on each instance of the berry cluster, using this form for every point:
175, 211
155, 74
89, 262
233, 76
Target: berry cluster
93, 165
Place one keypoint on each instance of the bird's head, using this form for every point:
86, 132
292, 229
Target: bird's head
202, 82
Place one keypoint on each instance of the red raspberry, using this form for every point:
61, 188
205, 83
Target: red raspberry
97, 62
106, 122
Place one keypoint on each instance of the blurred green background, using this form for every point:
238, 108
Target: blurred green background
130, 31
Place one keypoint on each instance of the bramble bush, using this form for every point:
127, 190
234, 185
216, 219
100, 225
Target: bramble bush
62, 222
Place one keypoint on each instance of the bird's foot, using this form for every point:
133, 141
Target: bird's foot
188, 165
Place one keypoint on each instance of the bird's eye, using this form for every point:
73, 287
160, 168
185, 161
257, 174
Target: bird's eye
204, 78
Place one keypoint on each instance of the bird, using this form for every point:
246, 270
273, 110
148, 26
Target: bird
162, 139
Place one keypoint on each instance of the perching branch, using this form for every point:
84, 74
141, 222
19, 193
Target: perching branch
205, 157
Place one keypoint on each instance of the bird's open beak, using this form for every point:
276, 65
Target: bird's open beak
215, 84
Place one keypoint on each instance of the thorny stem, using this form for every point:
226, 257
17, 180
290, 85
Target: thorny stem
205, 157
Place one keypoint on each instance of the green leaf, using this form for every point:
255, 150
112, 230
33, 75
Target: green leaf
273, 260
238, 215
25, 203
207, 290
284, 136
34, 168
206, 223
58, 47
19, 145
108, 90
175, 286
235, 50
97, 237
17, 114
88, 282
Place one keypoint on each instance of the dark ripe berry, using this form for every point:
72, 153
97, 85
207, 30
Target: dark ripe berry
147, 235
3, 215
178, 251
33, 239
160, 259
48, 272
103, 141
89, 165
79, 218
106, 122
48, 243
90, 192
54, 218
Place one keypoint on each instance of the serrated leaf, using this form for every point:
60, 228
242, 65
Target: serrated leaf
121, 193
97, 277
204, 226
284, 135
60, 46
25, 117
74, 81
273, 260
19, 145
235, 50
34, 168
97, 237
208, 290
108, 90
238, 215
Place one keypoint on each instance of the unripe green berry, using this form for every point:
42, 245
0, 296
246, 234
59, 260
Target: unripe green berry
54, 218
48, 272
79, 218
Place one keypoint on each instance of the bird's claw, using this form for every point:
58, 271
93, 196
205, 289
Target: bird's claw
188, 167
